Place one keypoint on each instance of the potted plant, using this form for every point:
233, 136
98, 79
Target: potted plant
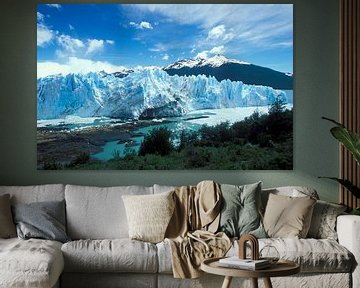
351, 141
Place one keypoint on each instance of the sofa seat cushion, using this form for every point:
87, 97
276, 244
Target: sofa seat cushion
30, 263
115, 255
313, 255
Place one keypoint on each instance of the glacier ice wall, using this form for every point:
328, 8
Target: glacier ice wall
146, 93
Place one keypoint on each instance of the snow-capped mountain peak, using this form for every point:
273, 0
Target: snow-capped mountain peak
215, 61
219, 60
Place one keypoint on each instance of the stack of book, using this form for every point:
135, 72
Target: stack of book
248, 264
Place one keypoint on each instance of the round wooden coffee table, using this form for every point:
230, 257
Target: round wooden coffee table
281, 268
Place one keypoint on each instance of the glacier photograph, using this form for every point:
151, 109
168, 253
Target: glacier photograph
165, 86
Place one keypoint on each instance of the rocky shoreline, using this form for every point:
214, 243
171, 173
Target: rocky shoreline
64, 146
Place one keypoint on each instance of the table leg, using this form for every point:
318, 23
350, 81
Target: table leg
254, 282
227, 282
267, 283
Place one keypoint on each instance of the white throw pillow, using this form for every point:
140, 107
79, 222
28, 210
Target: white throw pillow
149, 215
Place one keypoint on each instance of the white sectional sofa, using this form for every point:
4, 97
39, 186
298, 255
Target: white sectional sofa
101, 254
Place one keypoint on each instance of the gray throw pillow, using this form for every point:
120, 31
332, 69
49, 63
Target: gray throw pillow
7, 227
44, 220
323, 222
240, 213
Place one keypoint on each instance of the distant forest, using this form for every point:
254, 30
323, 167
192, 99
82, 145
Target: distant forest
259, 142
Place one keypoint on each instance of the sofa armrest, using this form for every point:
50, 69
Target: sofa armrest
348, 230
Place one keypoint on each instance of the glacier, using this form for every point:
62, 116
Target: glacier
147, 93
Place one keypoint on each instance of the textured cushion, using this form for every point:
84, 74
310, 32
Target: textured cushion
313, 255
287, 216
149, 215
30, 263
98, 213
117, 255
323, 222
44, 220
240, 210
35, 193
7, 227
348, 229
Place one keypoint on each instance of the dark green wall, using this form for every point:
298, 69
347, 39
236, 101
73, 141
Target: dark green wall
316, 94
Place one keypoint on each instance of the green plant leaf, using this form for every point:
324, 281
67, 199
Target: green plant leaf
347, 184
349, 139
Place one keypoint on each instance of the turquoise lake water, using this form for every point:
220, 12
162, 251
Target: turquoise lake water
210, 117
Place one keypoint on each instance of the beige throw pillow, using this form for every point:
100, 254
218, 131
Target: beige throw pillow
149, 215
288, 217
7, 226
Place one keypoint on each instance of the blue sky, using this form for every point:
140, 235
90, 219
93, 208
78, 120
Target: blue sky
85, 37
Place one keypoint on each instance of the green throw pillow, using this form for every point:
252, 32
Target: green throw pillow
240, 213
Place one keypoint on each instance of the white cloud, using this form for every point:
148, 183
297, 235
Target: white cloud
69, 44
229, 36
57, 6
203, 55
94, 45
141, 25
165, 57
145, 25
71, 27
217, 32
217, 50
207, 53
44, 35
51, 68
75, 65
159, 47
252, 25
40, 17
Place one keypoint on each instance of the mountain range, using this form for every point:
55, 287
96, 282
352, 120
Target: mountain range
223, 68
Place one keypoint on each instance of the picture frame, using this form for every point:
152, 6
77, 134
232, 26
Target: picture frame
165, 86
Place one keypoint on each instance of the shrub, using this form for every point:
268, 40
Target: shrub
157, 141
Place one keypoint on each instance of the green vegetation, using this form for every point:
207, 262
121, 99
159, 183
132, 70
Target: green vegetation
351, 142
259, 142
158, 142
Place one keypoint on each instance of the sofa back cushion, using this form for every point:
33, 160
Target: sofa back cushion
7, 226
163, 188
35, 193
98, 212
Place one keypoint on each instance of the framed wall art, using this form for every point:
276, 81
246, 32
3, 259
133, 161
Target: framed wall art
165, 86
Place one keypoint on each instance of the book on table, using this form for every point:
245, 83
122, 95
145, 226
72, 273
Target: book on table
249, 264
